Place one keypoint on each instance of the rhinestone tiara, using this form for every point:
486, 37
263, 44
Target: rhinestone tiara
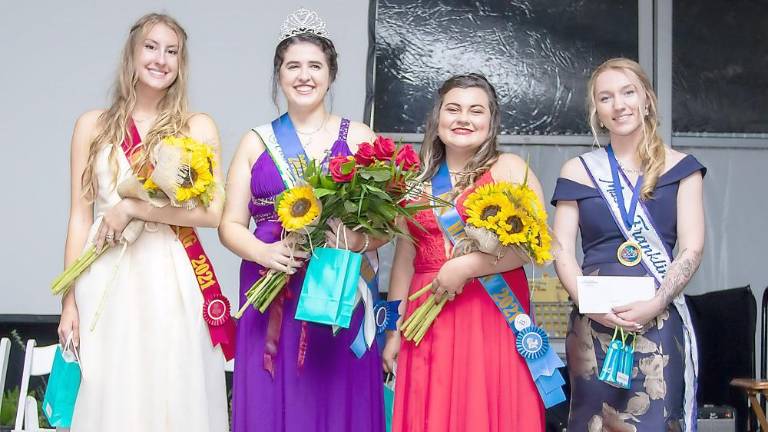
303, 21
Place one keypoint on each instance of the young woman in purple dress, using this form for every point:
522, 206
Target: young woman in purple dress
292, 375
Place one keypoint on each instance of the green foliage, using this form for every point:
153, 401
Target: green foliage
8, 410
11, 401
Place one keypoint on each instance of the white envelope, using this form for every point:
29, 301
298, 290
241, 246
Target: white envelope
599, 294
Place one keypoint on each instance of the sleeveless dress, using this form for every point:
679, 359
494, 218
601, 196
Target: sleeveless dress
149, 364
655, 401
466, 374
332, 390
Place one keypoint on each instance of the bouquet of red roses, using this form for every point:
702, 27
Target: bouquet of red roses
367, 191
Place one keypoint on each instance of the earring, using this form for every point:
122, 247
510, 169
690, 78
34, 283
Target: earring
646, 110
602, 126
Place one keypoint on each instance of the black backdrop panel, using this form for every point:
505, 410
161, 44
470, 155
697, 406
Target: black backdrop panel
720, 66
538, 55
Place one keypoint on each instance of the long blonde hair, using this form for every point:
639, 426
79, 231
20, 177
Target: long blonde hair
433, 149
173, 106
651, 149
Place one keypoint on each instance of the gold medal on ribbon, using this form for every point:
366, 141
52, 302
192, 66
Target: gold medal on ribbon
629, 253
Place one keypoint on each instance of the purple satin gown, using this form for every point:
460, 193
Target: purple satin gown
333, 391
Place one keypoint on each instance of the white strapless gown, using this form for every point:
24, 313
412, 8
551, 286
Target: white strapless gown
148, 365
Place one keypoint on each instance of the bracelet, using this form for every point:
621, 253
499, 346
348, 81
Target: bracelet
366, 243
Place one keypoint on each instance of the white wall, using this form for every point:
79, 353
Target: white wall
58, 59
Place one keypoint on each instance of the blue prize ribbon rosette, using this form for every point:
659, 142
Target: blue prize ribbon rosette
386, 315
532, 342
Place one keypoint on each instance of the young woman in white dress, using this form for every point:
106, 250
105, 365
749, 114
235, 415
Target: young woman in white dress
148, 363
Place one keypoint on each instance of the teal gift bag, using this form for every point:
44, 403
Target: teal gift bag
624, 375
63, 385
328, 293
389, 400
619, 359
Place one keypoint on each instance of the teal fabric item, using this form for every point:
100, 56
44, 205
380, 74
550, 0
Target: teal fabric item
389, 402
63, 385
328, 293
617, 366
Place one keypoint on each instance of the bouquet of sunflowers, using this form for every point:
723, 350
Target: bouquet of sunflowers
503, 216
181, 175
500, 217
367, 192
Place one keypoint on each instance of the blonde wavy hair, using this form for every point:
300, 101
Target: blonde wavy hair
432, 151
651, 149
173, 106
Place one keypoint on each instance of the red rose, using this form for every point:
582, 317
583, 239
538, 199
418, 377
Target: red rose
342, 168
383, 148
407, 158
365, 154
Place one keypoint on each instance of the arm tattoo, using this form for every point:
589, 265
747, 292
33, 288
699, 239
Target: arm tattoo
680, 272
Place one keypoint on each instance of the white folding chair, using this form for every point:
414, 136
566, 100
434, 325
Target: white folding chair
37, 362
5, 349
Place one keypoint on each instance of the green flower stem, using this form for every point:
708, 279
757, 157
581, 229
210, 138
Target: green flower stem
417, 313
421, 320
417, 325
415, 320
263, 291
253, 292
73, 268
68, 270
268, 288
63, 282
429, 320
282, 279
420, 292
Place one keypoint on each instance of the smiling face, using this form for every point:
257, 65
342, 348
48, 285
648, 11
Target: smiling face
304, 75
620, 101
156, 57
465, 119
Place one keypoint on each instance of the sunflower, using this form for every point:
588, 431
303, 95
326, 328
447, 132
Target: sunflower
513, 226
195, 177
523, 197
298, 208
149, 185
541, 245
484, 204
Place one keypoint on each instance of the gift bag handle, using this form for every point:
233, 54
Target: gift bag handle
389, 379
68, 351
341, 227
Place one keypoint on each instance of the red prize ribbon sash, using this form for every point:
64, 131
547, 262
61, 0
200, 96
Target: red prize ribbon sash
215, 306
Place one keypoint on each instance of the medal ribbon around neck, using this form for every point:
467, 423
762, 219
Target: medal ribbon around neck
628, 216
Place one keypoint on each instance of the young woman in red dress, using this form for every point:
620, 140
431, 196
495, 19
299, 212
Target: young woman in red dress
466, 374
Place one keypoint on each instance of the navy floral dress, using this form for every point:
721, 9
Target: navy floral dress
654, 402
